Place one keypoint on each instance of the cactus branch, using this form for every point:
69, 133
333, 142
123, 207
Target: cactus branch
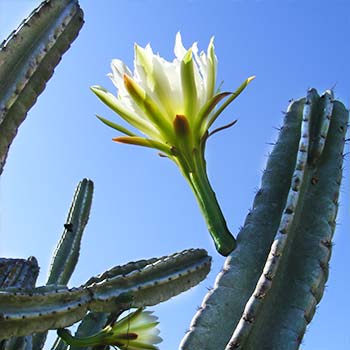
52, 307
269, 287
27, 61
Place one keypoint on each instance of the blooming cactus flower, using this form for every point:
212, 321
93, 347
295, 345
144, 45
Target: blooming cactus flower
137, 331
173, 104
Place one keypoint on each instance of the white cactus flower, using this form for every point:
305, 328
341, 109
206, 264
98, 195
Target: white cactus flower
136, 331
173, 104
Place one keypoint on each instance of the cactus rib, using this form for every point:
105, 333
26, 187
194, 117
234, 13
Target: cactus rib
27, 61
294, 204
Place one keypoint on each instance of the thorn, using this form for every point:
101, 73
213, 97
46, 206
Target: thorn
162, 155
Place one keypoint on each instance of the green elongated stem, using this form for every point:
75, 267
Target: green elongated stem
208, 203
69, 339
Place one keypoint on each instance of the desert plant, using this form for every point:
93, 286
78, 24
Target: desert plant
270, 285
268, 289
27, 61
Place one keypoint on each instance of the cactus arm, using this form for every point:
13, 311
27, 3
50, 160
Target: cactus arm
52, 307
222, 306
155, 283
25, 312
66, 254
18, 273
67, 251
304, 267
27, 61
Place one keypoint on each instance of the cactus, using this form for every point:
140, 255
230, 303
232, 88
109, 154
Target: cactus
54, 306
27, 61
25, 309
269, 287
28, 312
267, 292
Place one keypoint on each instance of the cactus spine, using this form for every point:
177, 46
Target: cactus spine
269, 287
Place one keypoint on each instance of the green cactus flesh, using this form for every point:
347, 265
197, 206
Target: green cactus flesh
36, 310
27, 61
269, 287
18, 273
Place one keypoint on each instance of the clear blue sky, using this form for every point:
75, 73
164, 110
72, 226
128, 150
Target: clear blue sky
142, 206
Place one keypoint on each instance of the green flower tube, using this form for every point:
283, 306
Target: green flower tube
173, 104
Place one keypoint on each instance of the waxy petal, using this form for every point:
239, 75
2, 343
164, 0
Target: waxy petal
211, 70
116, 126
233, 96
112, 102
189, 87
179, 49
149, 107
141, 141
160, 80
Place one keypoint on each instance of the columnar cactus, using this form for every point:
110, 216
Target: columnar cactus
27, 60
269, 287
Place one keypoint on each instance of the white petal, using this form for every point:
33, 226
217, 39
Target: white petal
211, 69
198, 75
179, 49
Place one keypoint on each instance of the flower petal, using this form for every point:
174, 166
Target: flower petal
189, 87
211, 69
205, 112
149, 107
115, 126
141, 141
229, 100
179, 49
112, 102
152, 73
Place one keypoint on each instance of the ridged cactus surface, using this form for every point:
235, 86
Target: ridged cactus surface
269, 287
26, 309
27, 61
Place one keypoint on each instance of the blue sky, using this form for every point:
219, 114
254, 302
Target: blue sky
142, 206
